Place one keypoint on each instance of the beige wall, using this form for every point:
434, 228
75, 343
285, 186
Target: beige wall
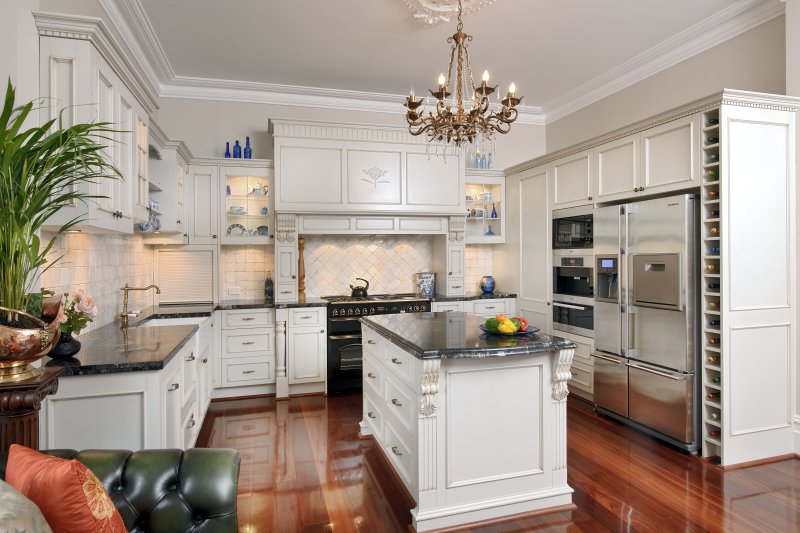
205, 125
753, 61
19, 42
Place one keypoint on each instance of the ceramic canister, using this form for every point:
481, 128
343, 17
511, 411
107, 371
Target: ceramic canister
425, 283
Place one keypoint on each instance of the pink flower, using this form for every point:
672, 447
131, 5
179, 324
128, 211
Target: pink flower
87, 304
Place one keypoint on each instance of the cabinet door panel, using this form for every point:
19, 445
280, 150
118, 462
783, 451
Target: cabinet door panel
455, 260
205, 211
373, 177
616, 168
286, 263
306, 355
670, 156
535, 271
309, 176
572, 184
434, 181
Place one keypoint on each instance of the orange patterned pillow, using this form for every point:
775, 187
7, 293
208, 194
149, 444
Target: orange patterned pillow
69, 495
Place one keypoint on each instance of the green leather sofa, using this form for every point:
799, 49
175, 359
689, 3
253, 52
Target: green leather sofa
165, 490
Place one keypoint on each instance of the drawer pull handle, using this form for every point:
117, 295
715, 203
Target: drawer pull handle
286, 292
489, 307
190, 358
396, 403
248, 427
174, 387
371, 375
248, 343
248, 318
371, 342
205, 360
191, 423
372, 415
396, 361
396, 451
248, 371
306, 317
456, 286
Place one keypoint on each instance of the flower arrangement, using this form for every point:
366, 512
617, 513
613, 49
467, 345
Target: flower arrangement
79, 310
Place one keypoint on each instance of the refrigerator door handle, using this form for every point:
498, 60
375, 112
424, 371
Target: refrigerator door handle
675, 376
608, 358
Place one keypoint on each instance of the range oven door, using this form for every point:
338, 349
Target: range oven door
344, 354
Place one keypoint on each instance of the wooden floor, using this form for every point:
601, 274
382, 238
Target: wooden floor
304, 469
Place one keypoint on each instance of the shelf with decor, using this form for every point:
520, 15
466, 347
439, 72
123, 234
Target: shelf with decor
485, 206
247, 209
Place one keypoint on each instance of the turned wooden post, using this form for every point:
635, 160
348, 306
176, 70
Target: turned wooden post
19, 408
301, 266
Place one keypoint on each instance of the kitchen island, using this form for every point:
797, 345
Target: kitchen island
473, 424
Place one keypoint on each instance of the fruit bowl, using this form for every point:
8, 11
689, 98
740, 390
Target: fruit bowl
532, 330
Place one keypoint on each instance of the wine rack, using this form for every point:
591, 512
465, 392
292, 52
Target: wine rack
712, 412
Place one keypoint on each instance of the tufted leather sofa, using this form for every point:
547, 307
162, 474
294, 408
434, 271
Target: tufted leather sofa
165, 490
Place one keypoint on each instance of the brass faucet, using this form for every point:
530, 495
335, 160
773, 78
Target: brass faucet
124, 314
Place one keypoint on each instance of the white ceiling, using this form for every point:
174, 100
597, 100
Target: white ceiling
557, 51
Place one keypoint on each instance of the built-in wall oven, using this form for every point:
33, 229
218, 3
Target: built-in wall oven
573, 293
344, 332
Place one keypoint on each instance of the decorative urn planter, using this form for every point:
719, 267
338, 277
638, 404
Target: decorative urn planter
20, 346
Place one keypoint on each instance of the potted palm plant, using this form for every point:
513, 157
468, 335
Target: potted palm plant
41, 171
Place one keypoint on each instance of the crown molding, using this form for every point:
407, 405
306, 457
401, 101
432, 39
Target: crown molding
94, 30
296, 96
725, 25
232, 162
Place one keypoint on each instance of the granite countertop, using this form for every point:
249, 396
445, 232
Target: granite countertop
477, 295
263, 303
456, 334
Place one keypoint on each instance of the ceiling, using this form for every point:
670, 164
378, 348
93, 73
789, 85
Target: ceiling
556, 51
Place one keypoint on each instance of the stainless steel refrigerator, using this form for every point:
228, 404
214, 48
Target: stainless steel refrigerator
645, 316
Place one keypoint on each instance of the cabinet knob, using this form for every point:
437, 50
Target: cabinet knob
370, 375
322, 331
548, 303
179, 220
590, 198
396, 451
371, 415
449, 273
294, 277
213, 236
185, 234
205, 360
641, 188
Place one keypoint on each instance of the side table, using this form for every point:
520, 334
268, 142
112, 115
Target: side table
19, 408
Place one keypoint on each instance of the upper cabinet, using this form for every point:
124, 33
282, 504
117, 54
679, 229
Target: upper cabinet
247, 207
485, 201
657, 160
572, 181
80, 86
323, 167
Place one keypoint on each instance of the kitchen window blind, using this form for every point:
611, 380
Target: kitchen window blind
185, 276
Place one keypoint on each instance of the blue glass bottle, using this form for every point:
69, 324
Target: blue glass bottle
489, 232
237, 151
227, 149
268, 286
489, 163
494, 212
248, 152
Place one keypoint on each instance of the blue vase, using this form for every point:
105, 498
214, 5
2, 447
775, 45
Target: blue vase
228, 149
248, 152
489, 232
487, 284
494, 212
237, 151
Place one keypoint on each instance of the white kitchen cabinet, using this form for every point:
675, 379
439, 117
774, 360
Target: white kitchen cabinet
79, 85
445, 307
572, 180
491, 307
352, 168
247, 209
306, 345
655, 161
154, 403
168, 184
203, 205
582, 381
535, 257
286, 254
449, 253
485, 200
247, 354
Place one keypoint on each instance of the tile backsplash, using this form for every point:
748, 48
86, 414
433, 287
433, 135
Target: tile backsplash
101, 265
478, 264
243, 270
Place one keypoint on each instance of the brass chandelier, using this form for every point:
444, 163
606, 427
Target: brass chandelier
453, 124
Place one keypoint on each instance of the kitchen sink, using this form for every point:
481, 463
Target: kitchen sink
177, 321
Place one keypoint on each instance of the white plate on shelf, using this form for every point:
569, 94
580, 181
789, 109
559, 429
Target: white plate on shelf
236, 230
263, 230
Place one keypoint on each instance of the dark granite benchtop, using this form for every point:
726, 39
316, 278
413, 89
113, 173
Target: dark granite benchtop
456, 335
263, 303
473, 296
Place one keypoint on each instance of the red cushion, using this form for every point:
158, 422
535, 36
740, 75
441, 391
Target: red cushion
69, 495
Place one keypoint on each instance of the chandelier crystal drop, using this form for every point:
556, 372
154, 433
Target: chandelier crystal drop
462, 109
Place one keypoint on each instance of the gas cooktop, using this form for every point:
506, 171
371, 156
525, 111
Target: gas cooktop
375, 298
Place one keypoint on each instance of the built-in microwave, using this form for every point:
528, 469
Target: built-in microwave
572, 228
574, 316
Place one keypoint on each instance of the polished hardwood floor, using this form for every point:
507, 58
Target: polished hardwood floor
304, 469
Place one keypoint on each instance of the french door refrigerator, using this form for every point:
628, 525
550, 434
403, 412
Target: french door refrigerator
645, 317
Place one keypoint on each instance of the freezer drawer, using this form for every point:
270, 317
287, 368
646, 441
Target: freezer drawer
610, 383
662, 400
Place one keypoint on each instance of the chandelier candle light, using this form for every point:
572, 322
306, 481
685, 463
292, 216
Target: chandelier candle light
453, 124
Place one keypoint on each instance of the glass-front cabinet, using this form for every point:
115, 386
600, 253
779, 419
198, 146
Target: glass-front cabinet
247, 208
486, 193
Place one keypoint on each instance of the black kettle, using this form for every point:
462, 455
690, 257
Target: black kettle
359, 291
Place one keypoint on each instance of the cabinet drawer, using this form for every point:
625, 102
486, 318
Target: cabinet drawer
307, 316
581, 376
372, 415
455, 287
400, 453
190, 427
448, 306
285, 292
373, 377
241, 343
490, 307
246, 371
188, 373
248, 318
373, 343
583, 349
399, 363
399, 404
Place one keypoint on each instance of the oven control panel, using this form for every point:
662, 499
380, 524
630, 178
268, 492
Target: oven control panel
352, 310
